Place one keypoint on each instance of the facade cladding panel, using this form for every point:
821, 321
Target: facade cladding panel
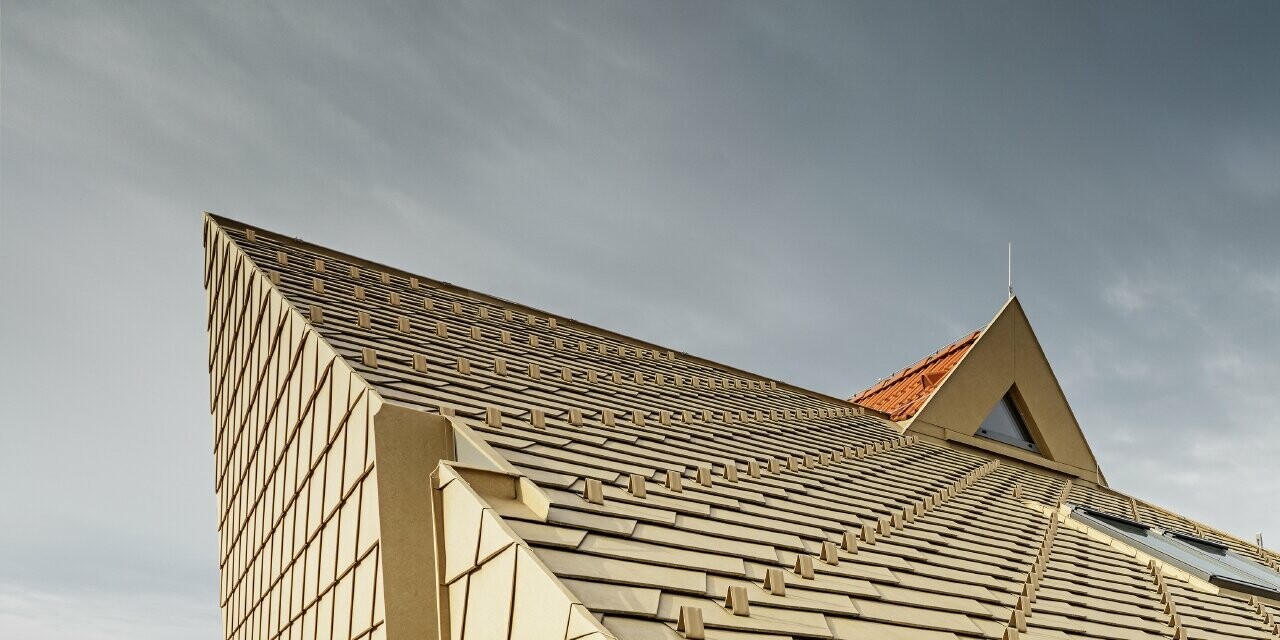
298, 525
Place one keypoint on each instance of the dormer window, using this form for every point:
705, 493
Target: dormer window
1005, 424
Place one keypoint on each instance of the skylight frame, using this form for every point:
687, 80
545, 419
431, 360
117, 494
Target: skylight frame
1217, 564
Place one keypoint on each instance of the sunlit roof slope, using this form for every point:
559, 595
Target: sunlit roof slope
687, 499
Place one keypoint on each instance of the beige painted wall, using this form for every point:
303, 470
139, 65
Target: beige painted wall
1008, 354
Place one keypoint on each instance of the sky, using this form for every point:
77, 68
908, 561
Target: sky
816, 192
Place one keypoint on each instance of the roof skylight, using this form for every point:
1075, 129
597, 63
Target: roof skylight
1203, 558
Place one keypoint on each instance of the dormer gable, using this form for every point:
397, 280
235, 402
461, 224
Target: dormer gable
992, 390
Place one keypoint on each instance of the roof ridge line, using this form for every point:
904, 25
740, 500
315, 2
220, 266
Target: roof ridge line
225, 222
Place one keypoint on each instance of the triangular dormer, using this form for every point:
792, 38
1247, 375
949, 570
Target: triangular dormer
992, 390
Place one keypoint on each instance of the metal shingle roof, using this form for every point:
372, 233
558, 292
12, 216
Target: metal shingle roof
831, 523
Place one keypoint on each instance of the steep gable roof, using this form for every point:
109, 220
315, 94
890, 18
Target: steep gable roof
689, 499
902, 394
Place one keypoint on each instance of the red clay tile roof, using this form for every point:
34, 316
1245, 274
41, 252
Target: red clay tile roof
902, 394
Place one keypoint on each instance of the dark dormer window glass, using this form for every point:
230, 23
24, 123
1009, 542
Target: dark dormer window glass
1005, 424
1206, 559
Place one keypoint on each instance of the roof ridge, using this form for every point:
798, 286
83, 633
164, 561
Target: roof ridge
225, 222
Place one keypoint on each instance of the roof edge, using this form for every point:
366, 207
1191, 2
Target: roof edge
1056, 383
224, 221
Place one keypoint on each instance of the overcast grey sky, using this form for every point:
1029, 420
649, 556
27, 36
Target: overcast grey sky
817, 192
